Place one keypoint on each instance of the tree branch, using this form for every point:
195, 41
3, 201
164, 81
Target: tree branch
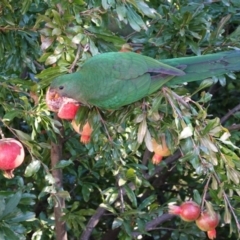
168, 161
155, 222
233, 127
92, 223
229, 114
56, 155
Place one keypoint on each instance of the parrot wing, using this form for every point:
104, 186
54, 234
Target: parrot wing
117, 79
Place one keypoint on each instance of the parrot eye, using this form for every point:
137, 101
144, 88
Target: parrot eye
61, 87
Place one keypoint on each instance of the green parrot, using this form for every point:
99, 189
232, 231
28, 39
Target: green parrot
115, 79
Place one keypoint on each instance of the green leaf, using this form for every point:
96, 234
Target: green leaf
186, 132
22, 136
32, 168
128, 229
121, 12
8, 233
145, 9
25, 6
222, 23
112, 196
106, 35
11, 204
22, 217
227, 215
63, 194
135, 20
204, 84
2, 236
52, 59
147, 202
121, 182
196, 196
131, 195
108, 207
63, 164
105, 4
117, 222
87, 212
10, 115
57, 18
142, 129
56, 31
78, 38
28, 199
86, 190
2, 205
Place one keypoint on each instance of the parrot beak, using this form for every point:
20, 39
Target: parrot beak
52, 94
53, 100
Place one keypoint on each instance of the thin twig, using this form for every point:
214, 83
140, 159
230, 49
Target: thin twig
233, 127
146, 156
180, 99
14, 88
76, 59
228, 202
121, 194
170, 100
167, 161
229, 114
104, 125
155, 222
204, 193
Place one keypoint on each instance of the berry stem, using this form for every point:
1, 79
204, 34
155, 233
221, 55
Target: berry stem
205, 192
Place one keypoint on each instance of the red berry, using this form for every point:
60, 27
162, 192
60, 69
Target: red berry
11, 155
207, 221
188, 211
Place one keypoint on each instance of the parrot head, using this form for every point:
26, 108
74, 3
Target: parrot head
57, 95
61, 85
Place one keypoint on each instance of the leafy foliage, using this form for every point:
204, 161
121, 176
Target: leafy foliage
112, 181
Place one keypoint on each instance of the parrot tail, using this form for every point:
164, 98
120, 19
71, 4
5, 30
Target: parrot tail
205, 66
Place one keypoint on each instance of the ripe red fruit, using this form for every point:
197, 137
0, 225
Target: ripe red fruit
68, 110
85, 133
188, 211
11, 155
160, 150
207, 222
212, 234
65, 107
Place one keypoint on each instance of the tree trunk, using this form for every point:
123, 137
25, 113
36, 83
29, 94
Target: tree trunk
56, 155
